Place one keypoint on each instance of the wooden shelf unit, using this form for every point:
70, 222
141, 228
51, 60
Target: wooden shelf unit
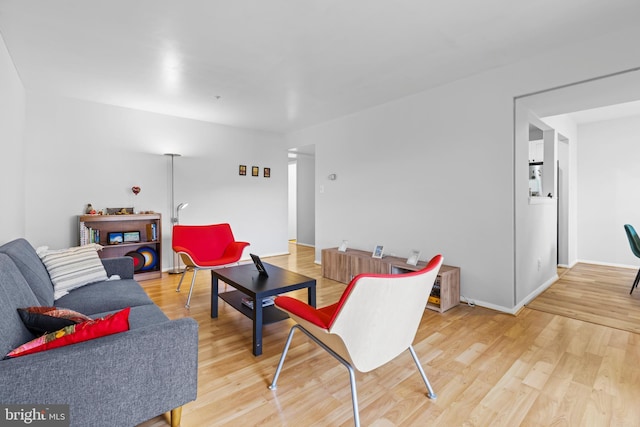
121, 223
344, 266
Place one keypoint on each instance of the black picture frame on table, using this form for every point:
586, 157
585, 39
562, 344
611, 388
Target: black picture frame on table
115, 237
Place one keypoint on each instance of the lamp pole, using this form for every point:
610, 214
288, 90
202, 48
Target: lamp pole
174, 219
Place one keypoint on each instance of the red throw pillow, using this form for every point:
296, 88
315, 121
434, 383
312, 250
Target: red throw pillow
108, 325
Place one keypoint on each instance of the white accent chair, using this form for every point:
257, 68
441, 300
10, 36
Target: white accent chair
375, 320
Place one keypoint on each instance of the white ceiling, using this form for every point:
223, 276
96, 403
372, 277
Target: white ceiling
617, 111
281, 65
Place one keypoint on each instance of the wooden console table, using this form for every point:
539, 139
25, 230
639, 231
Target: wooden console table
344, 266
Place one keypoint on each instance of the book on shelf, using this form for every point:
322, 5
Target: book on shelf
435, 291
152, 232
89, 235
249, 302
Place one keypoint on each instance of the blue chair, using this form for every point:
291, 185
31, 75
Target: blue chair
634, 242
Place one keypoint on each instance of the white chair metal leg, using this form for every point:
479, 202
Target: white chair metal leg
193, 281
273, 385
352, 376
431, 394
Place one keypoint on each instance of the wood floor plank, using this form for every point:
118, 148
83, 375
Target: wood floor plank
488, 368
593, 293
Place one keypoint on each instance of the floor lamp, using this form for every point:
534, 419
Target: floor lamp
175, 261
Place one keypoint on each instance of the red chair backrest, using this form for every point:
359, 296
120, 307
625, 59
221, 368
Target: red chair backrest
204, 242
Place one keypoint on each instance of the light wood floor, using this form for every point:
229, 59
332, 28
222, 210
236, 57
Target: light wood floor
596, 294
488, 369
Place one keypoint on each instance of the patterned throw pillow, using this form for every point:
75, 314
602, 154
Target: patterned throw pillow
108, 325
72, 268
42, 320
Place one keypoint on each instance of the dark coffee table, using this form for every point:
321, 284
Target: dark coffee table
249, 283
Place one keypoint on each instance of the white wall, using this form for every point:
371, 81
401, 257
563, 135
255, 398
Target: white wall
12, 122
435, 171
80, 152
305, 198
293, 200
609, 178
536, 217
411, 177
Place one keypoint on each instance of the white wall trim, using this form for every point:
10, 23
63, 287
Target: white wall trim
305, 244
489, 305
607, 264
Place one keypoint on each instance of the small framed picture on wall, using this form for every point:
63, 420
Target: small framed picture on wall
267, 172
255, 171
242, 170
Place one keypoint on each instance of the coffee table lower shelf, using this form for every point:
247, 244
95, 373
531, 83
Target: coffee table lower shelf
270, 314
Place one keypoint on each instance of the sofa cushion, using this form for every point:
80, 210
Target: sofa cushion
73, 267
104, 297
111, 324
42, 320
14, 293
28, 262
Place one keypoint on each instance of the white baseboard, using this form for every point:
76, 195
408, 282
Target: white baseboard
305, 244
519, 306
607, 264
488, 305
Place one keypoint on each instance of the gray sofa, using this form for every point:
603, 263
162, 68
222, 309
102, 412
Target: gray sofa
117, 380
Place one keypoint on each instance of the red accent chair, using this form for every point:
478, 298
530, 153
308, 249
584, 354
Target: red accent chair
375, 320
205, 247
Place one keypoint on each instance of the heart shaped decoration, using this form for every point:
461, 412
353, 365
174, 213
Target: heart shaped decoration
135, 189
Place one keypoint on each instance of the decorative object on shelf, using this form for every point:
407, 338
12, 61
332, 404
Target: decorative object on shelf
115, 238
255, 171
89, 210
138, 260
119, 211
413, 258
150, 258
378, 251
267, 172
135, 189
131, 236
343, 246
242, 170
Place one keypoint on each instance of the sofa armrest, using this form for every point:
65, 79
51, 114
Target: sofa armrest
122, 266
121, 379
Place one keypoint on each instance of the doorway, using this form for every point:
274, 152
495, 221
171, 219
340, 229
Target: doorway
563, 201
302, 205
